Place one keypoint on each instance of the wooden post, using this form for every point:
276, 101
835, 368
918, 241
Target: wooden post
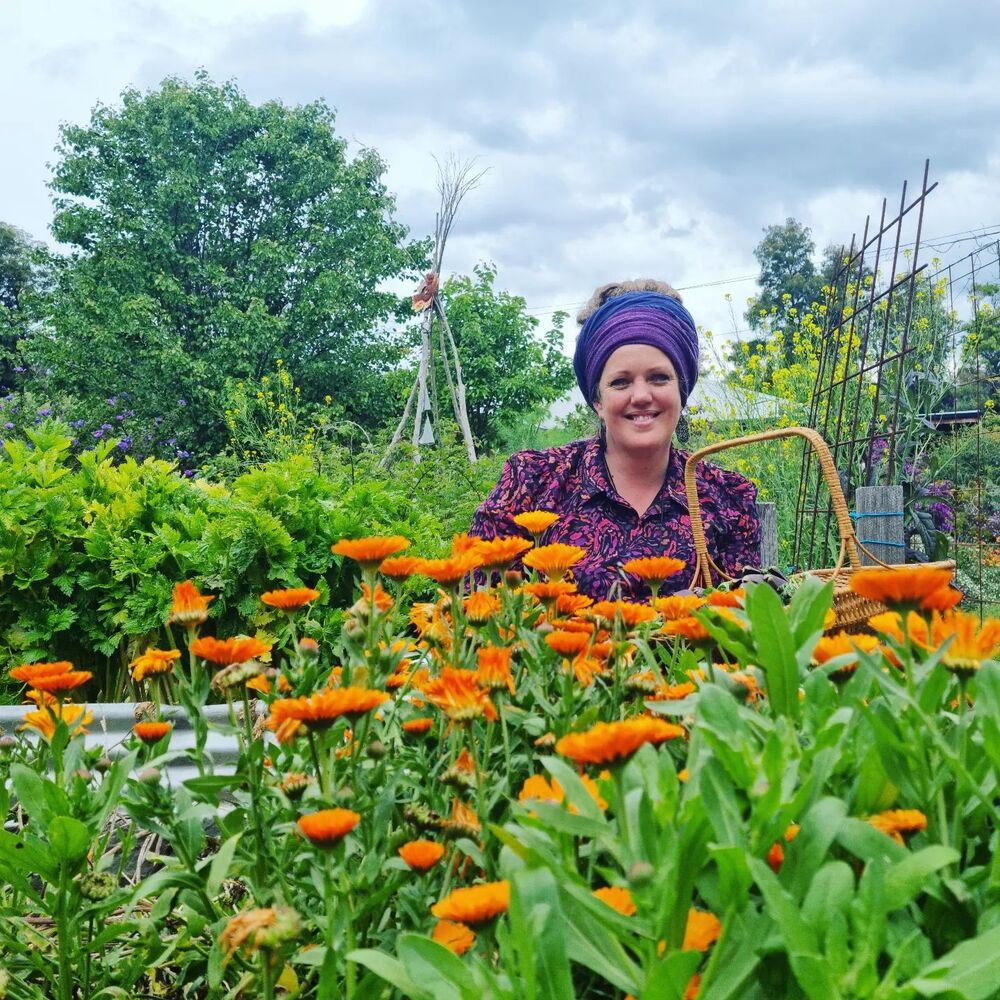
768, 514
878, 523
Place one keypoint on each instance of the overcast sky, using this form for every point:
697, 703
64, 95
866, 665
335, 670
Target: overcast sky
647, 139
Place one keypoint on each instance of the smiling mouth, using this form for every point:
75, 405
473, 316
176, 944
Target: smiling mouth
642, 419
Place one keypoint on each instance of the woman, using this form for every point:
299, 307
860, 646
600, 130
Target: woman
620, 495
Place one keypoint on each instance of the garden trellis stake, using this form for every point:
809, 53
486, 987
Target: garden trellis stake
455, 181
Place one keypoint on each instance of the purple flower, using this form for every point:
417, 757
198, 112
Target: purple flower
98, 434
124, 444
182, 402
9, 425
44, 411
113, 401
188, 473
157, 421
107, 427
19, 369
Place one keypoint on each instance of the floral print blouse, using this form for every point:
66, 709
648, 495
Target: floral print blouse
573, 482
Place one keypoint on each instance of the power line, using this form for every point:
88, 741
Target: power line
962, 236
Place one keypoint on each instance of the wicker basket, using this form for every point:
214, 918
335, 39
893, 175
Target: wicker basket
852, 610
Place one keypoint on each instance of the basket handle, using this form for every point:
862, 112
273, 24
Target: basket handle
704, 562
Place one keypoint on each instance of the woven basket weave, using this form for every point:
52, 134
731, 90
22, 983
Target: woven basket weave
852, 610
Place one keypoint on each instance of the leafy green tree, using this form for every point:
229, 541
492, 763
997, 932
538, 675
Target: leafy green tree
210, 238
788, 275
508, 369
979, 375
24, 271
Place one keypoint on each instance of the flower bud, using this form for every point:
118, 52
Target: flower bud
103, 765
96, 886
376, 749
149, 776
641, 873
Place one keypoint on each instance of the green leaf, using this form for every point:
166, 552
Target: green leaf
220, 864
391, 970
41, 799
775, 649
436, 967
972, 970
909, 877
69, 839
537, 920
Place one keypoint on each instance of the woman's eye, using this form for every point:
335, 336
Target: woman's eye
659, 379
618, 383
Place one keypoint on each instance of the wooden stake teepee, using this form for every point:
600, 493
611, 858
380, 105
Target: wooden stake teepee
455, 181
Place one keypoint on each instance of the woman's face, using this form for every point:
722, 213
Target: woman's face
639, 399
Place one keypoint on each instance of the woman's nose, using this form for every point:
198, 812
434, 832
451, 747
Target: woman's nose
640, 390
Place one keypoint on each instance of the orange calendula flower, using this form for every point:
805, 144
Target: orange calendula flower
260, 929
189, 606
618, 898
259, 683
904, 586
686, 628
225, 652
448, 572
421, 855
571, 604
701, 931
942, 600
725, 598
609, 742
630, 614
554, 560
970, 643
480, 607
550, 591
475, 904
499, 553
462, 820
535, 521
843, 644
370, 551
458, 694
586, 668
568, 643
151, 732
673, 692
678, 606
399, 567
328, 827
320, 710
28, 673
654, 569
895, 822
776, 855
890, 624
286, 600
44, 721
362, 607
538, 789
153, 661
493, 671
455, 937
417, 726
56, 684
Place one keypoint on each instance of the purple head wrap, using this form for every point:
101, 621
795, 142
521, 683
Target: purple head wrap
637, 318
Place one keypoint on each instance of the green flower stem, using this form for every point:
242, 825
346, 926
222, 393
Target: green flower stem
618, 795
251, 752
480, 794
66, 978
964, 727
266, 974
86, 955
501, 711
320, 770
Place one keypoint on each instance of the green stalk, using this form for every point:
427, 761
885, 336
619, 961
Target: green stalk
253, 773
86, 956
62, 933
266, 974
